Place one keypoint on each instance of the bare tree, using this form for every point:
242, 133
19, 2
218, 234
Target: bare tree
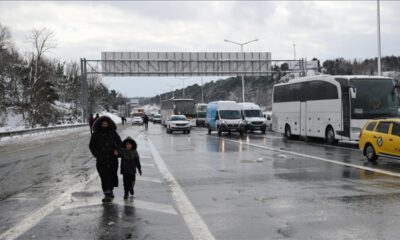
5, 37
42, 40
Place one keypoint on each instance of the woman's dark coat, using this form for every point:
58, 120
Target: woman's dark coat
104, 141
130, 158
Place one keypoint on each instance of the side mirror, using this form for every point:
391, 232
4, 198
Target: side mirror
353, 92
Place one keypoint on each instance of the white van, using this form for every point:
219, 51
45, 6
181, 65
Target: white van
224, 116
253, 117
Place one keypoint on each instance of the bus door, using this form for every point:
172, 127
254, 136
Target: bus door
303, 118
346, 109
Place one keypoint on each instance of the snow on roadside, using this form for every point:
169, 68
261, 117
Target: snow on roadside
13, 122
28, 138
35, 138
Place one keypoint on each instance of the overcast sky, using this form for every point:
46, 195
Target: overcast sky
318, 28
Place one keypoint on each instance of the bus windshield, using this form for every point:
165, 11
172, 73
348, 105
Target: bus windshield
229, 114
374, 98
185, 108
252, 113
201, 114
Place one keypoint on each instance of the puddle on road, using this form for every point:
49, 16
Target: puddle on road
83, 194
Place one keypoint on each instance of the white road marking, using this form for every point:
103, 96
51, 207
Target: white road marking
389, 173
148, 164
195, 223
94, 201
36, 216
148, 179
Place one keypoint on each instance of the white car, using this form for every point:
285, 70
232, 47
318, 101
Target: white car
178, 123
157, 118
137, 121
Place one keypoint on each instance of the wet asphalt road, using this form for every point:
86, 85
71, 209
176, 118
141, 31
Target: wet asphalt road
254, 187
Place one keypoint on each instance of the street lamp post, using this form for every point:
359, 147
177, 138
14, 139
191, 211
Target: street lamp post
294, 51
202, 94
241, 50
379, 37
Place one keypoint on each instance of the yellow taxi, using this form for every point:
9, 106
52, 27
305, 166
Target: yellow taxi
381, 138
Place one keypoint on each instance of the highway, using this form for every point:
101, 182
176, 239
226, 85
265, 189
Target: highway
199, 186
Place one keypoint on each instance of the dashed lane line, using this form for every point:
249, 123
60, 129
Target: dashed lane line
389, 173
148, 179
147, 164
195, 223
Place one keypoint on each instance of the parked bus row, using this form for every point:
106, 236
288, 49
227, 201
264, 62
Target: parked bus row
332, 107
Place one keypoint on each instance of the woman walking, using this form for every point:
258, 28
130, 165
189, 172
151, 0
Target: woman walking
104, 145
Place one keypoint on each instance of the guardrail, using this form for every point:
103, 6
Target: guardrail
36, 130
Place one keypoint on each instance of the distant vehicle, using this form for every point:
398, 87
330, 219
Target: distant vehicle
137, 120
138, 114
224, 116
137, 111
151, 116
178, 107
253, 117
178, 123
201, 112
157, 118
381, 138
331, 107
268, 118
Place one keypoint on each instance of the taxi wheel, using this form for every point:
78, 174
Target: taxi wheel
370, 153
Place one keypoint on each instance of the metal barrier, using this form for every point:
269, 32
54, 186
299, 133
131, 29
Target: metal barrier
36, 130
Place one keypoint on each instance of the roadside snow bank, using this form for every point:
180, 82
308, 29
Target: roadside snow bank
12, 122
35, 138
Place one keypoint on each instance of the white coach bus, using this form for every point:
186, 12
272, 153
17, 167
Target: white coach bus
332, 107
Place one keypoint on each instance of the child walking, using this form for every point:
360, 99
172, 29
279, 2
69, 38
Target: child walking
129, 162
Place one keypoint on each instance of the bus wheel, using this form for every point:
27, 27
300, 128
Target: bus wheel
369, 152
330, 136
209, 131
288, 132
